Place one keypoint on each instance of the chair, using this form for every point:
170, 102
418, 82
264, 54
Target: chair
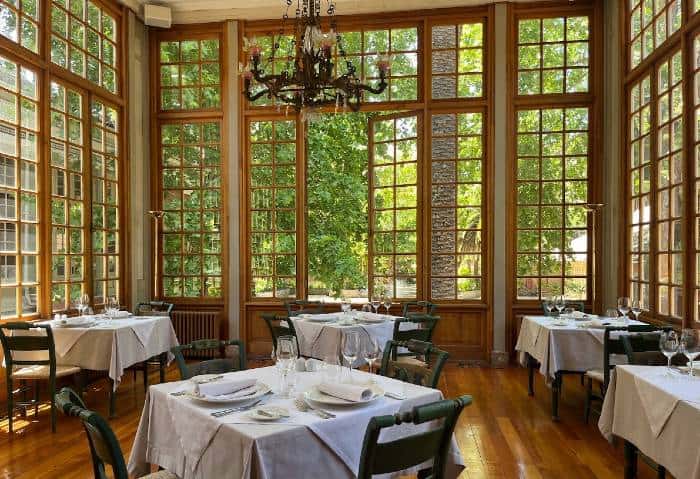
222, 364
611, 346
423, 331
643, 349
411, 451
153, 308
300, 306
423, 369
279, 326
35, 340
577, 305
412, 308
104, 446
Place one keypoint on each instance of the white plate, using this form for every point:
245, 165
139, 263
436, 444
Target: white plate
314, 395
322, 319
262, 389
560, 323
74, 324
371, 320
277, 413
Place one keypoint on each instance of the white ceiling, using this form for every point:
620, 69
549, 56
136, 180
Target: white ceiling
197, 11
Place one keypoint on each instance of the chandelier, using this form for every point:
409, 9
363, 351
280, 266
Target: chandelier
310, 79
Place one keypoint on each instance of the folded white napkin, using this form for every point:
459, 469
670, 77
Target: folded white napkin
121, 314
349, 392
224, 387
578, 315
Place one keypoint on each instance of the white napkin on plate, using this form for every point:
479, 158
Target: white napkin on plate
224, 387
349, 392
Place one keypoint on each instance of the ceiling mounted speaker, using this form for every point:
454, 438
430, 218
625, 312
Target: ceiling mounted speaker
157, 16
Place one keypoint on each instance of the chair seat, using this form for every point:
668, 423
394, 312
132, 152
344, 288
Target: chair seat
412, 360
160, 475
596, 375
42, 372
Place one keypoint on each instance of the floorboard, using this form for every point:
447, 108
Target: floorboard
503, 434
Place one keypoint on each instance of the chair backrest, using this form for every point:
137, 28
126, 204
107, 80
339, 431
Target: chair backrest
612, 345
577, 305
222, 364
104, 445
300, 306
26, 338
423, 330
643, 348
424, 369
411, 308
410, 451
154, 308
279, 326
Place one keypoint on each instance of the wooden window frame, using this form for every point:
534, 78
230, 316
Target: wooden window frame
160, 117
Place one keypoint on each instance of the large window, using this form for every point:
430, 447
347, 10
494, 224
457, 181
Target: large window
19, 187
650, 23
19, 22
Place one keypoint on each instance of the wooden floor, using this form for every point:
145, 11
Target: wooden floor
503, 434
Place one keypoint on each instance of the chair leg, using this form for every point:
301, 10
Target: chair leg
10, 403
556, 392
661, 472
145, 376
36, 398
530, 376
630, 460
52, 392
162, 359
589, 396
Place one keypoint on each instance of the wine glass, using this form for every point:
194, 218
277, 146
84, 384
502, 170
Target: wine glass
345, 305
371, 353
376, 302
623, 305
668, 344
549, 306
387, 304
349, 348
560, 304
82, 304
690, 346
286, 359
112, 305
636, 309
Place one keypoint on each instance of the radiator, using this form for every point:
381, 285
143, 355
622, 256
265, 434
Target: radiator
192, 325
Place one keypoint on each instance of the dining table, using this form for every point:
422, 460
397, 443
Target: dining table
655, 410
320, 336
559, 346
179, 432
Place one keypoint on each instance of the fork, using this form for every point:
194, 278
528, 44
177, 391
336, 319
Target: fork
303, 406
226, 412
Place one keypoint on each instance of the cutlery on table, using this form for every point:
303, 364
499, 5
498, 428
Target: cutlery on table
226, 412
303, 406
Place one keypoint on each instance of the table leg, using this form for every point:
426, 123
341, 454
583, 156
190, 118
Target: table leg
630, 460
112, 399
530, 375
556, 393
162, 359
660, 472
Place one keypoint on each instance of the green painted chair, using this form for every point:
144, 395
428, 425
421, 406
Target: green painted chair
423, 367
279, 326
223, 364
643, 349
104, 446
411, 451
300, 306
22, 338
412, 308
423, 326
153, 308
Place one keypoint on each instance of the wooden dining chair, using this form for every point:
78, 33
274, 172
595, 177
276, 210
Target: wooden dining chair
21, 339
411, 451
228, 361
423, 367
104, 445
643, 349
154, 308
612, 345
300, 306
423, 326
279, 326
411, 308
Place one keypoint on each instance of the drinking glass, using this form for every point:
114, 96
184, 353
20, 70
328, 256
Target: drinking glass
331, 368
345, 306
387, 303
549, 306
560, 304
611, 313
349, 349
286, 360
636, 309
376, 302
371, 353
623, 305
668, 344
690, 346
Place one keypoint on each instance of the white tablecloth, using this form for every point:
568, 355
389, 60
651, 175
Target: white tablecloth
180, 434
561, 348
323, 339
658, 413
115, 344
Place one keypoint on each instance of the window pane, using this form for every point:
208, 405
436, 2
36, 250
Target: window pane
457, 61
19, 22
650, 24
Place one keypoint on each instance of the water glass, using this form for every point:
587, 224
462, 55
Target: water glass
549, 306
350, 345
376, 302
286, 355
623, 305
371, 353
669, 344
387, 303
345, 306
690, 346
637, 309
611, 313
331, 369
560, 304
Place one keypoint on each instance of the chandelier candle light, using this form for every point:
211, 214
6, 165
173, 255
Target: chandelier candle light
310, 79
